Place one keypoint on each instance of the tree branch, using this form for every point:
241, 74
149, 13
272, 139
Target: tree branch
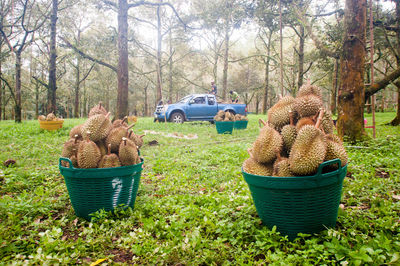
84, 55
8, 85
381, 84
41, 82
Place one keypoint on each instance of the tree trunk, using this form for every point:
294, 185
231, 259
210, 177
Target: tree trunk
351, 102
170, 67
301, 57
159, 38
396, 120
51, 93
226, 54
146, 102
18, 114
37, 90
122, 73
334, 86
266, 80
77, 87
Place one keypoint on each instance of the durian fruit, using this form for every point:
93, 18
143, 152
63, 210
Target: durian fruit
335, 149
51, 117
98, 125
278, 115
289, 134
308, 150
229, 116
88, 153
327, 123
304, 121
41, 118
281, 166
74, 158
268, 141
128, 153
98, 109
307, 105
115, 136
120, 122
102, 147
76, 130
220, 116
253, 167
238, 117
308, 89
138, 139
69, 149
109, 160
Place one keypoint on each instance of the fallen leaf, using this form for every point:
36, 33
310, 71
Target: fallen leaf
97, 262
76, 221
397, 197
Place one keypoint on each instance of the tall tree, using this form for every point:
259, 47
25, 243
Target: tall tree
352, 68
30, 19
51, 93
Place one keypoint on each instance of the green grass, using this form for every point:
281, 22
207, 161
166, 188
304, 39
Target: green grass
193, 205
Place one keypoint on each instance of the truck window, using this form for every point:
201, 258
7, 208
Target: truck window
199, 100
211, 100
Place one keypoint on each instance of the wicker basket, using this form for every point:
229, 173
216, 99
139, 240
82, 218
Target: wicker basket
305, 204
51, 125
101, 188
224, 127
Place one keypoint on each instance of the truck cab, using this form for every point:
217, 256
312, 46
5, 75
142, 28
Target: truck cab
195, 107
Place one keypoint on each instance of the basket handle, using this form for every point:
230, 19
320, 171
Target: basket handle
67, 160
330, 162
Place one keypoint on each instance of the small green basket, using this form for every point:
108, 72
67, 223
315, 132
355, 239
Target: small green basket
101, 188
224, 127
240, 124
303, 204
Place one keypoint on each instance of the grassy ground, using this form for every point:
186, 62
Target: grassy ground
193, 205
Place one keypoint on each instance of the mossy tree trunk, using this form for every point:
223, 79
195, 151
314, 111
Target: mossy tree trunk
396, 120
351, 99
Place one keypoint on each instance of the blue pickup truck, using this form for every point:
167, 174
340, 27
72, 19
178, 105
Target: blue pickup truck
195, 107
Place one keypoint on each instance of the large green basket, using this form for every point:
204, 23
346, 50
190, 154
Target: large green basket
240, 124
305, 204
224, 127
94, 189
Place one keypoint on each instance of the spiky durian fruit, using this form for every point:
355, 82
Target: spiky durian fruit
220, 116
281, 166
128, 153
76, 130
238, 117
120, 122
99, 126
308, 89
50, 117
251, 166
268, 141
289, 134
102, 147
278, 115
327, 123
88, 153
115, 137
308, 150
138, 139
308, 105
335, 149
220, 113
74, 158
109, 160
229, 116
69, 149
41, 118
98, 109
304, 121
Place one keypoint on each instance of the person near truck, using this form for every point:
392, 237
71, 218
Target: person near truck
234, 96
213, 88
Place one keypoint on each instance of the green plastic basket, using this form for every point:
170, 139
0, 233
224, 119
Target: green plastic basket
224, 127
240, 124
101, 188
304, 204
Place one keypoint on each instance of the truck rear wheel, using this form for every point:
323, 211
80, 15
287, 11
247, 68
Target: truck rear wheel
177, 118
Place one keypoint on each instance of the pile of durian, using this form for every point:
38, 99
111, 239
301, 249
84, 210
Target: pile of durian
49, 117
98, 143
297, 138
239, 117
224, 116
